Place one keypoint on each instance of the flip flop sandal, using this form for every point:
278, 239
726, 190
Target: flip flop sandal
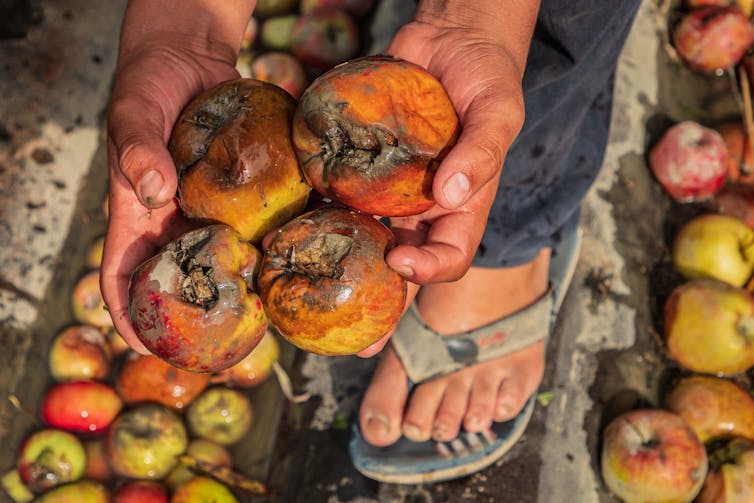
425, 354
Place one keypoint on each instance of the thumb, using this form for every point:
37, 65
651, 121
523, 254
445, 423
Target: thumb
137, 129
477, 157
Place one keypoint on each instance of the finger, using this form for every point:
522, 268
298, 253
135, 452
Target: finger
488, 129
136, 127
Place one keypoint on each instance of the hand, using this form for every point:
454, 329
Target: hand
156, 77
483, 81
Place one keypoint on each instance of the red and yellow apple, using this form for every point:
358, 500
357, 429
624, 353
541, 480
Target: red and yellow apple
709, 327
97, 465
689, 161
202, 488
713, 407
194, 304
281, 69
325, 283
84, 406
715, 246
255, 368
82, 491
324, 38
141, 491
236, 163
87, 302
652, 455
79, 352
366, 139
745, 6
713, 38
146, 378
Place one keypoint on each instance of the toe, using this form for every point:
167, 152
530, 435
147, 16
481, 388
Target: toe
452, 409
381, 411
481, 407
422, 410
521, 380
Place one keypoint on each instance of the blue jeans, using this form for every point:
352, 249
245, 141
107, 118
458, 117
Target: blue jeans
568, 86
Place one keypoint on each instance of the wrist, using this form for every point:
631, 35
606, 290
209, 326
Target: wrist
203, 26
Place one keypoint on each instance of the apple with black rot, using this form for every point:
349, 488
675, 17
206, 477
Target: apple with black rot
51, 457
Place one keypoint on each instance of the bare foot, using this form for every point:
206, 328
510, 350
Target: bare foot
495, 390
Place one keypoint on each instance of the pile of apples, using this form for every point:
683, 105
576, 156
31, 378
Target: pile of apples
699, 444
289, 42
118, 426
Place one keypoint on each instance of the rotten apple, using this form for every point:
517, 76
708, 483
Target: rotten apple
87, 302
194, 304
713, 38
689, 161
49, 458
652, 455
79, 352
146, 378
731, 475
745, 6
146, 441
365, 139
713, 407
324, 38
715, 246
325, 283
255, 368
709, 327
235, 159
221, 415
80, 406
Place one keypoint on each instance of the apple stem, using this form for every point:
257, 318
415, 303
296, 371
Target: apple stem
644, 441
285, 385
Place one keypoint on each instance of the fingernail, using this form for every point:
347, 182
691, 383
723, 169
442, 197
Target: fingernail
403, 270
456, 189
150, 187
377, 424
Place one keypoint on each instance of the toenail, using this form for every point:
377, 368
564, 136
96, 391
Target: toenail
413, 433
440, 432
377, 423
503, 410
474, 423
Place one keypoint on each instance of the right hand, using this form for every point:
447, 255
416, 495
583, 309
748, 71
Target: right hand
156, 77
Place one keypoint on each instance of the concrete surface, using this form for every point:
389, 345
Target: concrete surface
54, 80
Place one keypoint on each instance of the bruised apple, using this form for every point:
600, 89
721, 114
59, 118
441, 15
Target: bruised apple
220, 415
147, 378
49, 458
689, 161
714, 407
709, 327
713, 38
746, 6
194, 304
652, 455
731, 475
235, 159
371, 133
325, 282
715, 246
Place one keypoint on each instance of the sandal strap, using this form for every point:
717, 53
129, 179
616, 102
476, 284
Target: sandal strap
426, 354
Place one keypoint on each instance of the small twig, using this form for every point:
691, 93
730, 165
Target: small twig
224, 474
16, 402
286, 386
